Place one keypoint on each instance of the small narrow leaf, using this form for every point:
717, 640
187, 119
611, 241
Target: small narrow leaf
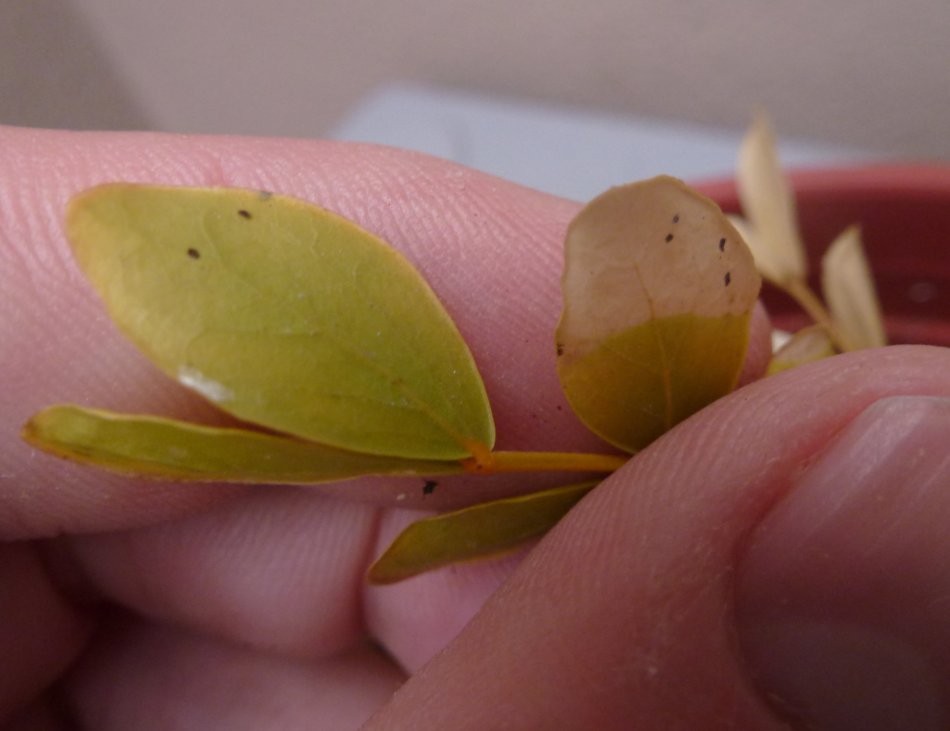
805, 346
166, 448
480, 531
658, 293
284, 315
849, 290
769, 207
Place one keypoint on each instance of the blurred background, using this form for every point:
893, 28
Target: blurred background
568, 96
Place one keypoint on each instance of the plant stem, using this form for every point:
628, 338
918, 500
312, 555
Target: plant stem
799, 290
498, 462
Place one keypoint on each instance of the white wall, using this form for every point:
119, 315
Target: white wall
863, 72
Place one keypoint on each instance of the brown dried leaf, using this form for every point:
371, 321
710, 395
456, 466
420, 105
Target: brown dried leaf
808, 344
658, 291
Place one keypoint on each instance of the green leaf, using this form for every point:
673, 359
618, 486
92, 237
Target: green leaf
157, 447
479, 531
658, 294
284, 315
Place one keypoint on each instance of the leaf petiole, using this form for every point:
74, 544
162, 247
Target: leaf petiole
499, 462
799, 290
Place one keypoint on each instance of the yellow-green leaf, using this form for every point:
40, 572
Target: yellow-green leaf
166, 448
483, 530
285, 315
848, 286
658, 293
805, 346
769, 207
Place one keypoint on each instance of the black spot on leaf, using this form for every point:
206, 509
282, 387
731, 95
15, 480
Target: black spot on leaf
669, 238
194, 253
244, 213
429, 487
727, 278
560, 348
722, 244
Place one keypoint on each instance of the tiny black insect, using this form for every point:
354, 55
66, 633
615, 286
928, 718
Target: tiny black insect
429, 487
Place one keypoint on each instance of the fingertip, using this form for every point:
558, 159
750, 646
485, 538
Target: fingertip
837, 594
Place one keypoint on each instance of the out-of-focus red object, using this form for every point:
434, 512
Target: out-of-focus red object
904, 213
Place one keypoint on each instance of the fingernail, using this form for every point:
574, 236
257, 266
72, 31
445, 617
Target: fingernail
843, 595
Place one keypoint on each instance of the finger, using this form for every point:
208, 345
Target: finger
490, 249
148, 677
623, 616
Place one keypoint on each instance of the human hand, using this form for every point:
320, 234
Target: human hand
802, 516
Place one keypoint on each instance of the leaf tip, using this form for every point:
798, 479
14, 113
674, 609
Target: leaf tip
381, 573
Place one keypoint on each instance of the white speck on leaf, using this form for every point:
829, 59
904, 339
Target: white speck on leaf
211, 390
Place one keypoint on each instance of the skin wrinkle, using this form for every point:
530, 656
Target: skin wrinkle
372, 541
38, 263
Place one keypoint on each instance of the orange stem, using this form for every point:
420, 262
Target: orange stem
497, 462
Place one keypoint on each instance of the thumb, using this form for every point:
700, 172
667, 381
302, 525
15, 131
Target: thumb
627, 615
843, 596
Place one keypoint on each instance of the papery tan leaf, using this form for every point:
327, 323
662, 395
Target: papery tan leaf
768, 205
849, 290
805, 346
